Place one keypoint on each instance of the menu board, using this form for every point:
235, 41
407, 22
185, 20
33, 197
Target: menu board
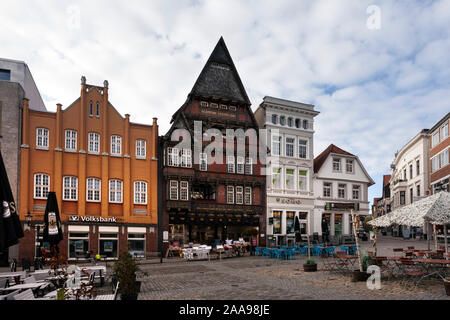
108, 246
79, 246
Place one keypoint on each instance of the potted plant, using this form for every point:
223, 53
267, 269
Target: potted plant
362, 275
310, 265
125, 272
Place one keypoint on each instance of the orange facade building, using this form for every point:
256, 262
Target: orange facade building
103, 169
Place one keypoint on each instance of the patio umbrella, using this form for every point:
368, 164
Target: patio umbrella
10, 227
52, 223
434, 209
298, 236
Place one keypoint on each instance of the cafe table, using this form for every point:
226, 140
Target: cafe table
24, 286
348, 260
440, 266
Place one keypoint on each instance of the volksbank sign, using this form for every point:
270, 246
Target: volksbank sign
92, 219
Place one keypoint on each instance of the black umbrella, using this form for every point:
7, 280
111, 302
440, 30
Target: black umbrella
52, 223
10, 227
298, 235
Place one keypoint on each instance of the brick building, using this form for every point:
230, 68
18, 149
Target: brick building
204, 200
103, 169
439, 155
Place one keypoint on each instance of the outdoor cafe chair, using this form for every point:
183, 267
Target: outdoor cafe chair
396, 250
345, 248
352, 250
329, 251
328, 264
303, 251
258, 251
30, 279
289, 254
4, 282
10, 295
411, 273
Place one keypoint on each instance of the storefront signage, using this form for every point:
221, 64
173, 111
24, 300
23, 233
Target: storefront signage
289, 201
342, 206
92, 219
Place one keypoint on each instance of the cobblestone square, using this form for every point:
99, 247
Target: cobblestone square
263, 278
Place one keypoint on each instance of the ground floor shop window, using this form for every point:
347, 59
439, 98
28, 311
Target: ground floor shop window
39, 243
290, 216
177, 234
277, 221
303, 219
78, 244
326, 223
108, 245
136, 244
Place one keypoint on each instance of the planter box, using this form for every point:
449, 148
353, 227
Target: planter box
310, 267
447, 287
360, 276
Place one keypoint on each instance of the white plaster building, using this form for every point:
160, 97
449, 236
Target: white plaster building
339, 179
410, 173
289, 166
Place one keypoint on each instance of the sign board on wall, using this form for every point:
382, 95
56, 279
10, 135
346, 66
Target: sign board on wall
165, 236
342, 206
92, 219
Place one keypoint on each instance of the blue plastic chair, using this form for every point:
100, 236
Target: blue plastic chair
344, 248
303, 251
266, 252
258, 251
330, 251
353, 249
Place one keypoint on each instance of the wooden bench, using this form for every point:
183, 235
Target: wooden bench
109, 296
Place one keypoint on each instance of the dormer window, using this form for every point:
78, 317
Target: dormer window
282, 120
213, 105
204, 104
297, 123
223, 107
232, 108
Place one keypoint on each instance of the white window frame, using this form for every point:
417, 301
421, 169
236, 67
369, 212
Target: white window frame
186, 158
173, 189
248, 195
116, 145
326, 188
356, 188
173, 157
43, 188
293, 183
140, 192
435, 163
239, 195
70, 188
70, 139
94, 142
230, 194
115, 192
203, 165
276, 140
302, 178
231, 168
342, 186
42, 138
94, 191
435, 139
184, 190
303, 146
336, 160
141, 149
444, 160
290, 144
91, 108
351, 163
240, 166
248, 166
444, 132
277, 176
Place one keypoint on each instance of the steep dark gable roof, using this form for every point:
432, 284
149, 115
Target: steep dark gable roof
386, 179
219, 77
320, 159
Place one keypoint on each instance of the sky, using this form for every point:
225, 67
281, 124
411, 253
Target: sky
378, 71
